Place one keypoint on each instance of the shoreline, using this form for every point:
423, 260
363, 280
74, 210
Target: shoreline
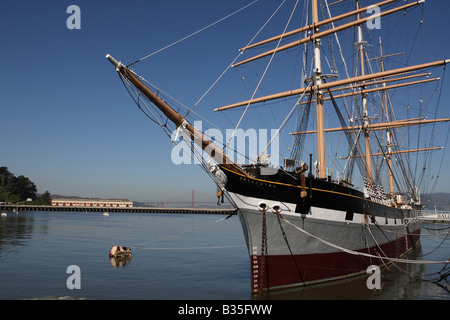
112, 209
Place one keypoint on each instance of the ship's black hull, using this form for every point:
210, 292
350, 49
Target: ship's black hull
302, 230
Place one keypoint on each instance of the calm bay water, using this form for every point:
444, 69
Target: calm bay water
175, 256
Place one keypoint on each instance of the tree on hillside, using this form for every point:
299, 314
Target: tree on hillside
24, 187
5, 179
15, 189
43, 200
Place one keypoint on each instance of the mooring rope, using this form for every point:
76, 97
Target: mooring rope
195, 248
193, 34
137, 245
356, 252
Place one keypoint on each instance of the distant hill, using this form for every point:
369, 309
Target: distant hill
225, 205
440, 201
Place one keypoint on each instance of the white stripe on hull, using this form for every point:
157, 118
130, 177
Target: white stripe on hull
288, 209
326, 224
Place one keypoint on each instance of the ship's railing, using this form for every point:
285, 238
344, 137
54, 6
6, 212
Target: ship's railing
434, 212
436, 216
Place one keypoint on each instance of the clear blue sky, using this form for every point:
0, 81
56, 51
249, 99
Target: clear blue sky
67, 122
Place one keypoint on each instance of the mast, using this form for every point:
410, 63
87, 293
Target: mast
337, 83
388, 131
381, 125
318, 24
394, 86
317, 35
320, 137
364, 104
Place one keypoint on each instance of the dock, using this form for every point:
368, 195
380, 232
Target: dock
19, 208
435, 216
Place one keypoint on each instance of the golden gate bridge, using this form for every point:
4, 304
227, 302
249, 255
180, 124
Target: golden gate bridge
191, 199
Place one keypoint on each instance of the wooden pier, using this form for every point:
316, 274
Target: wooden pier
20, 208
435, 216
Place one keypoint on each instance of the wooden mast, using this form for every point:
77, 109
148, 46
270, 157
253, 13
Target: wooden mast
380, 125
364, 105
397, 152
317, 88
316, 25
318, 35
334, 84
388, 131
320, 137
195, 135
365, 91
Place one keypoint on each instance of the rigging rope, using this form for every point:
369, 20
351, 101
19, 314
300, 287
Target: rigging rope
264, 73
234, 60
299, 140
168, 96
285, 120
183, 232
192, 34
196, 248
356, 252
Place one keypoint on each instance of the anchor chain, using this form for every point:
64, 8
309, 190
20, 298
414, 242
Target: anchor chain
263, 249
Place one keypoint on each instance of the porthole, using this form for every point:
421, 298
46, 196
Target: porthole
262, 205
276, 207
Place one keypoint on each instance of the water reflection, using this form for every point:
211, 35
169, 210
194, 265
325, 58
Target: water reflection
119, 256
437, 238
63, 239
398, 281
119, 261
15, 232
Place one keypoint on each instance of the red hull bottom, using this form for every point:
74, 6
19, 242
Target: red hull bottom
282, 271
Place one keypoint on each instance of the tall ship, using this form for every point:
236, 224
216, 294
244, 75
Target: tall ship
321, 215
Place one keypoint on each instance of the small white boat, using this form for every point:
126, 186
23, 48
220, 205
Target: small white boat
105, 213
4, 214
